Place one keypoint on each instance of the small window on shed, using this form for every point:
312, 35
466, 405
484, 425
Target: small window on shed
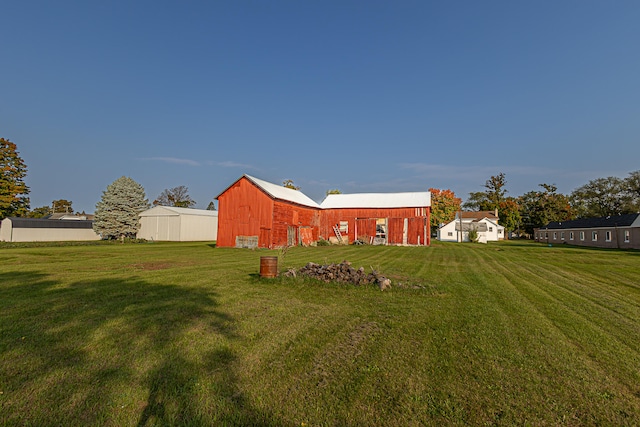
555, 235
571, 235
449, 233
627, 236
562, 235
594, 236
607, 236
582, 235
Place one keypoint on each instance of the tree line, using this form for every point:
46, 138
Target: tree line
599, 197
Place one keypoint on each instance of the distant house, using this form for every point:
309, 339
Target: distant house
484, 222
620, 231
167, 223
257, 213
46, 230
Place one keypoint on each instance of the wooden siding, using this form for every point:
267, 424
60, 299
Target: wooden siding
285, 215
244, 210
247, 210
362, 223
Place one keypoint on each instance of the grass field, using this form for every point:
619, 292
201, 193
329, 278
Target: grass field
512, 333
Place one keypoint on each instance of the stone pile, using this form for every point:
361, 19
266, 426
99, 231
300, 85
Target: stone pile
341, 273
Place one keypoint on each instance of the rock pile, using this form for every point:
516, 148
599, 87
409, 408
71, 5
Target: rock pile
341, 273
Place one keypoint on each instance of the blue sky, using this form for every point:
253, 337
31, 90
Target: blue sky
364, 96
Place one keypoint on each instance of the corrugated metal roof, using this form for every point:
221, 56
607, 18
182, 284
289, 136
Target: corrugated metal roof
173, 211
47, 223
283, 193
605, 221
377, 200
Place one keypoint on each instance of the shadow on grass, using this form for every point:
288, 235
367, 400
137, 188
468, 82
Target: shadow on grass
117, 352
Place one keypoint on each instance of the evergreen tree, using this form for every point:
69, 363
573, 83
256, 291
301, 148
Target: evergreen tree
116, 214
211, 206
13, 190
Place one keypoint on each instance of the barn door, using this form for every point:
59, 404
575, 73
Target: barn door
291, 236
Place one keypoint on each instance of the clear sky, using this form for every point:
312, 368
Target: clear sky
363, 96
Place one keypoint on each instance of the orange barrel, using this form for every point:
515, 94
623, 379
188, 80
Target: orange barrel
268, 266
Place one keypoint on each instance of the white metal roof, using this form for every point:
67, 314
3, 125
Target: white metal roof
172, 211
283, 193
377, 200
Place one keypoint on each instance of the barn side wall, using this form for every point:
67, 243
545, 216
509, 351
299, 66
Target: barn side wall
405, 226
288, 219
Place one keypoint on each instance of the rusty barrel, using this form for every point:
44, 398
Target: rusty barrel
268, 266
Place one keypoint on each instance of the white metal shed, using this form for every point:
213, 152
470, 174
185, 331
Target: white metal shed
168, 223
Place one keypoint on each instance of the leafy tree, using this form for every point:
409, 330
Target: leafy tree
289, 184
333, 191
40, 212
177, 197
632, 187
61, 206
509, 214
538, 208
211, 206
13, 190
495, 191
602, 197
116, 214
477, 201
444, 205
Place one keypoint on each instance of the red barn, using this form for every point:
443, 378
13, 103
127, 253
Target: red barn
382, 218
256, 213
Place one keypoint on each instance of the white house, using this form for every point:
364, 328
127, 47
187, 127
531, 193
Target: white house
168, 223
484, 222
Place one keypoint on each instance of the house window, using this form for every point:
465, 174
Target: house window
571, 235
607, 236
546, 234
562, 235
490, 228
450, 233
555, 235
582, 235
594, 236
627, 236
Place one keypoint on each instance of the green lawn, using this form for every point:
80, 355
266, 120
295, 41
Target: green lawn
514, 333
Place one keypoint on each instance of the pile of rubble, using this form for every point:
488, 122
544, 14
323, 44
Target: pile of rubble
341, 273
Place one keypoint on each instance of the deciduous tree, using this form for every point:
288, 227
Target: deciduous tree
444, 205
538, 208
62, 206
14, 200
176, 196
289, 184
116, 214
602, 197
40, 212
333, 191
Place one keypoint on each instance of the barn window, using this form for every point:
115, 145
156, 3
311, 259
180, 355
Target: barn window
344, 226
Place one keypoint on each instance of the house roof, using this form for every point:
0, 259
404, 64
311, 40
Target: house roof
377, 200
479, 215
175, 211
47, 223
601, 222
279, 192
